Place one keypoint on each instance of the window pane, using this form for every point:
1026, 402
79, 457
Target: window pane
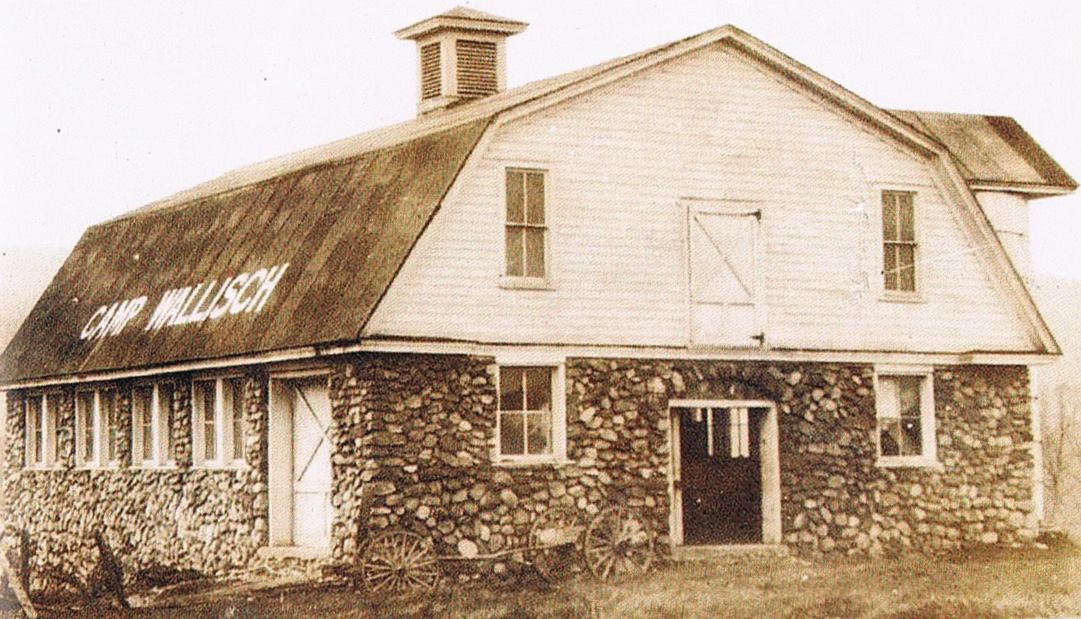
538, 388
205, 397
907, 216
908, 395
889, 217
906, 267
142, 419
510, 389
236, 400
534, 248
535, 197
889, 267
515, 251
539, 431
511, 434
52, 424
911, 440
33, 429
889, 437
107, 400
165, 411
515, 199
84, 407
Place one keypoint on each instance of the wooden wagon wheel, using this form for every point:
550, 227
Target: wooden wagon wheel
618, 543
554, 538
399, 560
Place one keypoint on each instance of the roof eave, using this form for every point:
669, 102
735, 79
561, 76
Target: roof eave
1031, 190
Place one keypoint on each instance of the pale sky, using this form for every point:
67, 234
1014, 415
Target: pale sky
111, 104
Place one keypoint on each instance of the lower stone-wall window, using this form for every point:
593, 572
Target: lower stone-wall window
97, 428
151, 424
904, 400
42, 414
218, 421
531, 424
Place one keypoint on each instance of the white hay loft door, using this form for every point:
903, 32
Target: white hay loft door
301, 513
724, 275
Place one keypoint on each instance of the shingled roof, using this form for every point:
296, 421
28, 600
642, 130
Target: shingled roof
344, 217
343, 227
993, 151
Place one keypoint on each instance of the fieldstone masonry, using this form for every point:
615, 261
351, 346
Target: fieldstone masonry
413, 440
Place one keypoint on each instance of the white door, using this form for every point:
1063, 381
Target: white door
723, 277
312, 511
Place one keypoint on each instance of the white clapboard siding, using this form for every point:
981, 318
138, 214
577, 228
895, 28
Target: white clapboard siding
717, 126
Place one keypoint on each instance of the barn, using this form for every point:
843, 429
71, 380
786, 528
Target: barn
701, 281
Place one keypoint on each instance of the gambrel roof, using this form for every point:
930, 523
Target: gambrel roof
345, 216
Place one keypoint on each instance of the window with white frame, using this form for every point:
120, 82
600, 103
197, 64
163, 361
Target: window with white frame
906, 417
218, 423
526, 230
86, 429
531, 424
151, 424
42, 416
899, 241
97, 428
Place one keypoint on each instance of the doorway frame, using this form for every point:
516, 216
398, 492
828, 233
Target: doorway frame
770, 466
280, 456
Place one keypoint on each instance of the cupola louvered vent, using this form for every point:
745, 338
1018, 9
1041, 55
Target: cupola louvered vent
430, 71
477, 75
462, 55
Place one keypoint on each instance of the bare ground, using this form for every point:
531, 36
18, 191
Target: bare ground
987, 584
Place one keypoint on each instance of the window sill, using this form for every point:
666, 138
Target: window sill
42, 468
909, 463
525, 283
154, 466
510, 462
901, 297
222, 466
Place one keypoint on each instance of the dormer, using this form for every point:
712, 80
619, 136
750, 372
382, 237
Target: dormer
461, 55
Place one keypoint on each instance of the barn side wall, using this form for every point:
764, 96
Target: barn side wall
425, 430
182, 516
413, 437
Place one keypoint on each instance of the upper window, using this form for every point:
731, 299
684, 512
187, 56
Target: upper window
906, 418
42, 415
151, 424
218, 423
526, 227
899, 241
97, 428
530, 424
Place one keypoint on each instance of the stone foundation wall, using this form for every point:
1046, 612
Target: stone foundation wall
414, 436
424, 429
189, 517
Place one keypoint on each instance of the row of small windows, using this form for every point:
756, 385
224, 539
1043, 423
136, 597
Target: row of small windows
530, 421
218, 425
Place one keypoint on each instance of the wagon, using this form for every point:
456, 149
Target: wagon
616, 542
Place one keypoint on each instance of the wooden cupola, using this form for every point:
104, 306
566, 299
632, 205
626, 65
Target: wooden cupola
461, 55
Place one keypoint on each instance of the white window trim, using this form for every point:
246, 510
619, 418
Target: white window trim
928, 426
559, 415
103, 438
223, 427
46, 431
159, 457
523, 282
900, 296
100, 445
80, 435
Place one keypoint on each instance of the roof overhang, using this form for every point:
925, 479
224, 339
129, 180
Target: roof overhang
436, 24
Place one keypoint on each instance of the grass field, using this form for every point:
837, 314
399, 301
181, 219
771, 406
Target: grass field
991, 584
